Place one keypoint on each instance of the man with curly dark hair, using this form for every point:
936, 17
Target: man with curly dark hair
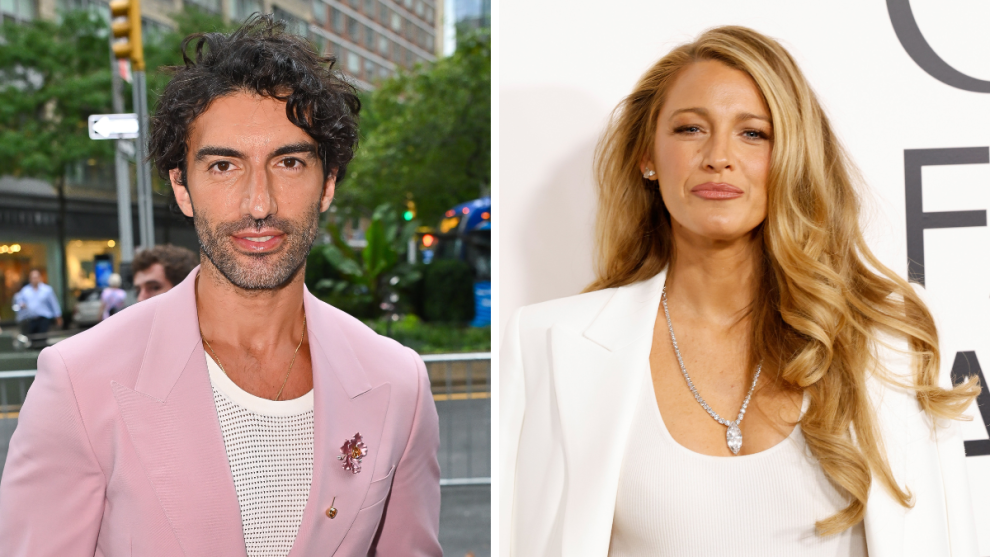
235, 414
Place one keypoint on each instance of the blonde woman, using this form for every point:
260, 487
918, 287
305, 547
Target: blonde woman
744, 377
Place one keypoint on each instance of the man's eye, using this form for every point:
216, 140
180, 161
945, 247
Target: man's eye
222, 166
291, 163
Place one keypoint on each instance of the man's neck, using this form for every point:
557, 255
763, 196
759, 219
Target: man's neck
253, 320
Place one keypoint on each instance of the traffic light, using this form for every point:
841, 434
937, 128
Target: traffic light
410, 213
126, 27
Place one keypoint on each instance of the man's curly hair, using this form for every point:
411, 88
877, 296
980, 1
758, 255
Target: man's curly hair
259, 58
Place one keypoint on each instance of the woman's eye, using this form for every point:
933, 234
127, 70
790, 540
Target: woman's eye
688, 129
755, 134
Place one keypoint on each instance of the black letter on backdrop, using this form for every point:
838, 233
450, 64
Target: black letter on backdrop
965, 365
917, 219
914, 43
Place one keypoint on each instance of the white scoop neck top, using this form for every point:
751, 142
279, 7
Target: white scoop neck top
672, 501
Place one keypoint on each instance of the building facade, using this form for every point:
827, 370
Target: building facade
373, 39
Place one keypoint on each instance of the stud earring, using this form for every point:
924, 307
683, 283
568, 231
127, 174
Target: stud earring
649, 174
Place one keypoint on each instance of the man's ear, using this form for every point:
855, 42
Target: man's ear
181, 192
329, 186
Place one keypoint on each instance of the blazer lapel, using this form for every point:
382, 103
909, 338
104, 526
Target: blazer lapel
171, 418
596, 376
344, 404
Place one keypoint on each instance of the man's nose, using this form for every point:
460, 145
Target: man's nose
259, 199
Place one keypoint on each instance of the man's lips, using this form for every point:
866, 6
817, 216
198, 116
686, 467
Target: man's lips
259, 242
716, 190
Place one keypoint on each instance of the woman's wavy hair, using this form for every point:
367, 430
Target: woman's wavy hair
260, 58
825, 302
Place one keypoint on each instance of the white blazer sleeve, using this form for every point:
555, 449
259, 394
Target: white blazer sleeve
512, 401
952, 463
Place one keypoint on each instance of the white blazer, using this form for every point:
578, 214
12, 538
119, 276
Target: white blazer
569, 381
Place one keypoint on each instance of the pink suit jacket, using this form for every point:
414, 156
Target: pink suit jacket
118, 448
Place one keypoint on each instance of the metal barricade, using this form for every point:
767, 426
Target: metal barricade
462, 393
13, 388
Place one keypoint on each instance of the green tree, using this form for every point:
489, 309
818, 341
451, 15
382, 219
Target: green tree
164, 51
359, 280
53, 75
426, 133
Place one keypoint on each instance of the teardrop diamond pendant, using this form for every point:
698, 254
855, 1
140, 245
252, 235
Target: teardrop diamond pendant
733, 438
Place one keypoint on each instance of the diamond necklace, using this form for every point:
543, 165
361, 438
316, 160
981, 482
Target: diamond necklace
733, 436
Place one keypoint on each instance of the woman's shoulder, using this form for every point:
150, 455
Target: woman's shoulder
574, 310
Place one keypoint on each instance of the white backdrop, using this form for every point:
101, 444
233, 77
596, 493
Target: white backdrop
565, 64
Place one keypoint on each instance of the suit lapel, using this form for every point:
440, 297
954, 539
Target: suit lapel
344, 404
171, 418
597, 375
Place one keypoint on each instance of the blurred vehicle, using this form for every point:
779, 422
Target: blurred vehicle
87, 310
465, 233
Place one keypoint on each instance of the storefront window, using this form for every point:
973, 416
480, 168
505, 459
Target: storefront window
16, 261
81, 257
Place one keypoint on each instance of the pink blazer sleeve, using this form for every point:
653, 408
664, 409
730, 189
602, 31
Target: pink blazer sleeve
411, 522
53, 489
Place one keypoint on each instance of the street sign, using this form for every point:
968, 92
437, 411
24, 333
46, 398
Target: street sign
113, 126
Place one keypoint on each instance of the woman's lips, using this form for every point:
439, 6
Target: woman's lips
716, 191
259, 243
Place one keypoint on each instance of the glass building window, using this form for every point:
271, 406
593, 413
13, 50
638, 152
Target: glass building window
419, 8
353, 63
369, 38
353, 3
396, 22
408, 4
369, 8
353, 28
429, 14
369, 69
293, 23
18, 10
320, 12
338, 22
382, 12
382, 45
244, 8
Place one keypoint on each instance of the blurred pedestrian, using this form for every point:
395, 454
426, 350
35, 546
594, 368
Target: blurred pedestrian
158, 269
36, 306
112, 298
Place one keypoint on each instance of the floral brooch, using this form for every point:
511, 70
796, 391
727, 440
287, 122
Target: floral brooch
352, 451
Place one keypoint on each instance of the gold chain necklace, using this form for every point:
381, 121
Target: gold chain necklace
284, 381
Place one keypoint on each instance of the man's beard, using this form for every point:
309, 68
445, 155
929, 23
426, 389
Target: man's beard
266, 271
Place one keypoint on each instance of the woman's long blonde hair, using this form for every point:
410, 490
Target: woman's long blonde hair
824, 298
